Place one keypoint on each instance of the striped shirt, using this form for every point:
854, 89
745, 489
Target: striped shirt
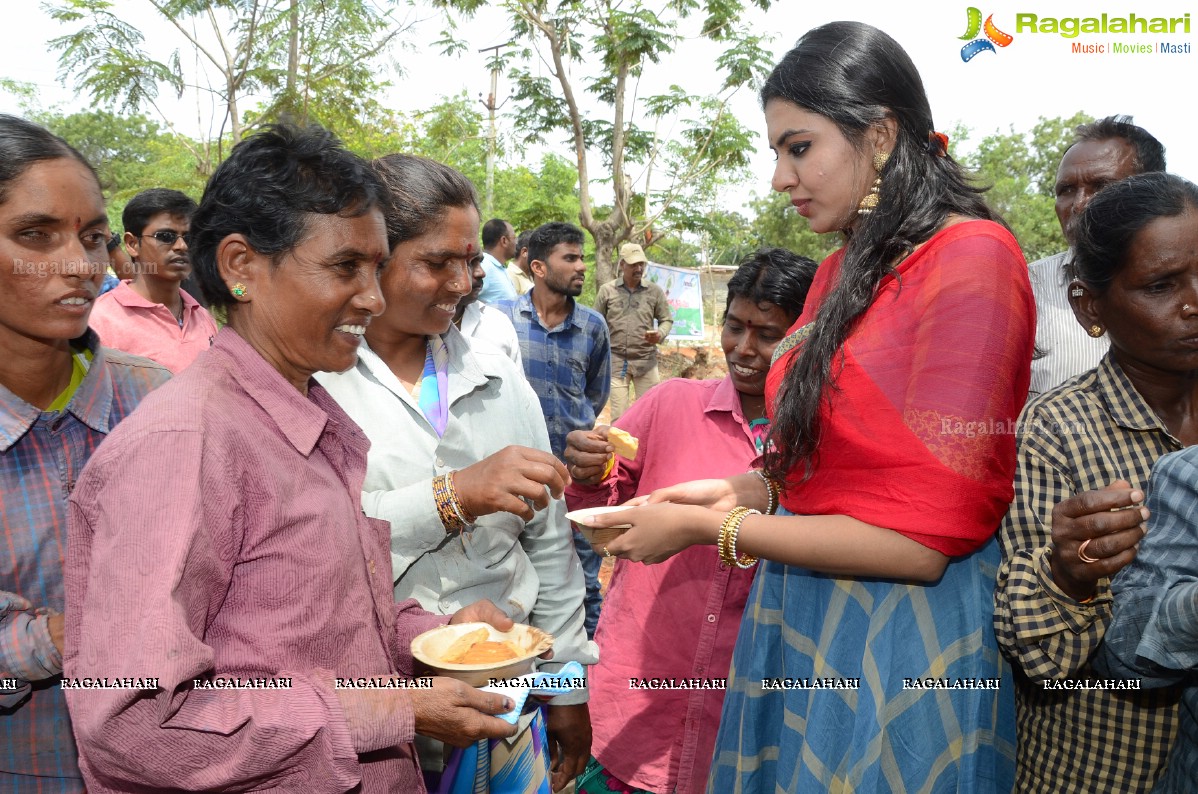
1067, 349
41, 454
1079, 437
569, 366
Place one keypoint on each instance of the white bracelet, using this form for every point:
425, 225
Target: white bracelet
771, 489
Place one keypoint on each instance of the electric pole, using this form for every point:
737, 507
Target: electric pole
491, 106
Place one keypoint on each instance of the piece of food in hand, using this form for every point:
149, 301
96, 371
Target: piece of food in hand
624, 443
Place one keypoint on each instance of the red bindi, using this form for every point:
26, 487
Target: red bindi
470, 248
78, 223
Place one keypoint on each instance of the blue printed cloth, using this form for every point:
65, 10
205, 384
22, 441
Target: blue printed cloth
434, 384
524, 768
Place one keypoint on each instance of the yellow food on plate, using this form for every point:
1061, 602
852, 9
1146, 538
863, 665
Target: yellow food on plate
624, 444
462, 645
487, 652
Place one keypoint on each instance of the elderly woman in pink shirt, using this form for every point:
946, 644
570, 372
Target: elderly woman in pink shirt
678, 620
217, 536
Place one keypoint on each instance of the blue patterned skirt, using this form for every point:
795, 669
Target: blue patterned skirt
903, 729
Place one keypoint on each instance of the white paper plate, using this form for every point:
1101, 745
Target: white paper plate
596, 535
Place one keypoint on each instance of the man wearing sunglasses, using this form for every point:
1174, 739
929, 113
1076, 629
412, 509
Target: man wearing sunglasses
151, 315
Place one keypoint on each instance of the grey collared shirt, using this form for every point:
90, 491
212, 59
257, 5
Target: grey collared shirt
530, 571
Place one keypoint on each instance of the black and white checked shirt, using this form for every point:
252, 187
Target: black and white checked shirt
1089, 432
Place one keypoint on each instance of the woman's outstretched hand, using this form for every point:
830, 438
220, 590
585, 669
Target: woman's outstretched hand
745, 490
659, 531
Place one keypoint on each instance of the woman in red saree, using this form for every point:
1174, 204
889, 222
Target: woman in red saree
865, 660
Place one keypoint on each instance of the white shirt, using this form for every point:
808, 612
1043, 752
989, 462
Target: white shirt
531, 571
486, 324
1068, 350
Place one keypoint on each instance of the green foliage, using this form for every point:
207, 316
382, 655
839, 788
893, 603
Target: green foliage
451, 132
776, 224
313, 58
130, 153
1021, 170
596, 51
107, 55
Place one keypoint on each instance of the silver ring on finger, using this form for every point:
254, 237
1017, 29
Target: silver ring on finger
1081, 552
606, 553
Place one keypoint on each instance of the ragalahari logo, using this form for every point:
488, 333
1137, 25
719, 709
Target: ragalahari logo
993, 36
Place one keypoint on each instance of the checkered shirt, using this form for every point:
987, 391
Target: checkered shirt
41, 455
568, 366
1091, 431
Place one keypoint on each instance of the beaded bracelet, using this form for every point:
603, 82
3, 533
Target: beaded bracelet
771, 487
729, 529
458, 508
453, 516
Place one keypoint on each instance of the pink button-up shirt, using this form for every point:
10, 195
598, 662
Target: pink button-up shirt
678, 619
219, 532
127, 321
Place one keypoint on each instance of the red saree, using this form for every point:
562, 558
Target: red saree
918, 434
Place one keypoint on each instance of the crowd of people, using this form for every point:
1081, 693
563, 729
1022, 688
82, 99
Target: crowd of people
933, 530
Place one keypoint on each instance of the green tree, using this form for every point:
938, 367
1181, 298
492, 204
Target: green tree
451, 132
130, 154
619, 40
310, 58
776, 224
1021, 169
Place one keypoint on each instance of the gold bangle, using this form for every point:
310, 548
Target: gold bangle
458, 508
726, 541
722, 540
447, 508
743, 561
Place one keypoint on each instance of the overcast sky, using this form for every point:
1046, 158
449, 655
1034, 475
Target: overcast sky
1036, 75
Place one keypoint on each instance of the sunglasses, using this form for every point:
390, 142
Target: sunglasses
168, 236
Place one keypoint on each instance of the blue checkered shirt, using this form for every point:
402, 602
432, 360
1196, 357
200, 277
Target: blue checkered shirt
569, 366
41, 455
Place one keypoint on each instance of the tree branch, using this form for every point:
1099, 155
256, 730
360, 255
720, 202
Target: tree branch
190, 38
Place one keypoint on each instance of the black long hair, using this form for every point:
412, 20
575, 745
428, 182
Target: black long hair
857, 77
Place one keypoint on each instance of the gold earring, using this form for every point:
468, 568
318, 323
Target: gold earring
1095, 331
870, 201
238, 290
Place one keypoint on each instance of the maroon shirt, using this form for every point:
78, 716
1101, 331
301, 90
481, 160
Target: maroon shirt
219, 532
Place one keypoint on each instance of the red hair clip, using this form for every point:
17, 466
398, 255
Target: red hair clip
938, 143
